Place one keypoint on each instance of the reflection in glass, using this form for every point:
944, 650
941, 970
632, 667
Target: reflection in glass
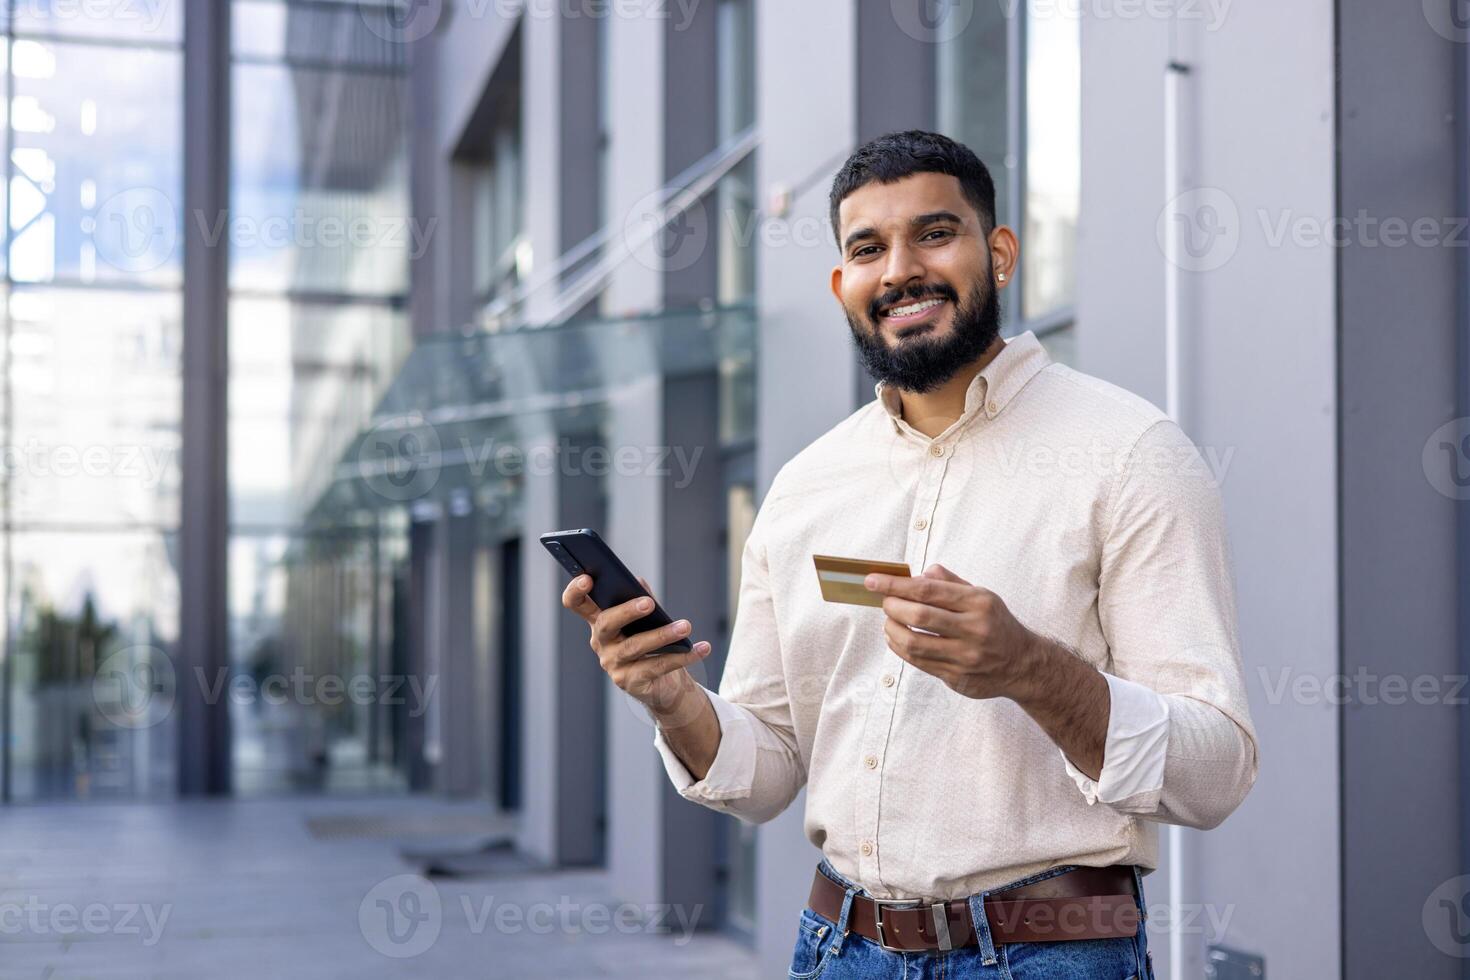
1053, 160
973, 93
321, 686
322, 203
305, 378
93, 683
95, 389
95, 192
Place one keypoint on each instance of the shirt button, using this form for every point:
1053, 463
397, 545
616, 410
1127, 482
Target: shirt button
920, 524
887, 680
867, 848
871, 762
992, 408
936, 450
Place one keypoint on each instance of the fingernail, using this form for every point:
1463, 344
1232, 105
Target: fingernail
645, 604
583, 582
682, 626
871, 581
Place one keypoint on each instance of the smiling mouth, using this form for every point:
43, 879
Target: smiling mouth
905, 314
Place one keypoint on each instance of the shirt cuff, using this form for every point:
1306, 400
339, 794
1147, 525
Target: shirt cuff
732, 774
1136, 749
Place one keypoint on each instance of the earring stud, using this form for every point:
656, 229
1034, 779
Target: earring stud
1001, 277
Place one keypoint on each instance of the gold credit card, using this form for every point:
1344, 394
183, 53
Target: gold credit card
841, 579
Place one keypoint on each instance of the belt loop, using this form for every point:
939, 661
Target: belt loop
982, 929
841, 933
1138, 891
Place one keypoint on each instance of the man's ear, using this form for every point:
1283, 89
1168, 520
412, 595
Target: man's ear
1005, 253
837, 283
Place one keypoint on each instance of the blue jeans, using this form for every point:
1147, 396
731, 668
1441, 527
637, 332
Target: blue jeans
823, 951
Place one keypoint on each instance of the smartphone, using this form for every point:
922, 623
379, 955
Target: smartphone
582, 550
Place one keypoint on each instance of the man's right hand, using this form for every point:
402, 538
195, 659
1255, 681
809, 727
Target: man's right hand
658, 681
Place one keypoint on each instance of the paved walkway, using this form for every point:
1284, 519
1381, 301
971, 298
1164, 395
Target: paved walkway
243, 889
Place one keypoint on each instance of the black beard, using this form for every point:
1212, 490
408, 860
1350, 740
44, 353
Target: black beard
920, 364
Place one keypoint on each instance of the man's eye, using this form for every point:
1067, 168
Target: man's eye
942, 232
866, 249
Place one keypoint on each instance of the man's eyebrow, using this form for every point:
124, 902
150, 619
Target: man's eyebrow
917, 221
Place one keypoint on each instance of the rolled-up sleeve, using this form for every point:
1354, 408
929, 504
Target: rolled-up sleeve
1181, 727
757, 769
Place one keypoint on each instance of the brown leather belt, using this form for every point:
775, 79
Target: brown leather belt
1085, 903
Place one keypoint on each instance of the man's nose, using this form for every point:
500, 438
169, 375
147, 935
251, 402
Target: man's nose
903, 266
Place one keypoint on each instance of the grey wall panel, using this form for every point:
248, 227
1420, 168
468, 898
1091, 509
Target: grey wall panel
1399, 588
1258, 378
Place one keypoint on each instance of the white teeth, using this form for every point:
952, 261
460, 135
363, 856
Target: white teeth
914, 308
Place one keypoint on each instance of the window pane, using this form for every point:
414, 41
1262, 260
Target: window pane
323, 204
304, 380
973, 92
94, 688
1053, 160
95, 390
316, 33
95, 195
318, 702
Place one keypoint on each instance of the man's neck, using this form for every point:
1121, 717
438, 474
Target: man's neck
934, 411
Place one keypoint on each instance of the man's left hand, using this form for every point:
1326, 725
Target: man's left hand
980, 649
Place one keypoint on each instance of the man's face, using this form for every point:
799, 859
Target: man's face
915, 279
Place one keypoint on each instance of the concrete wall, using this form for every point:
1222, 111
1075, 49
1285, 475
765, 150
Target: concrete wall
1258, 375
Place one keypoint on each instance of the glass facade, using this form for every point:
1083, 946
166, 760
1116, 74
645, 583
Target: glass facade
90, 401
1009, 87
320, 236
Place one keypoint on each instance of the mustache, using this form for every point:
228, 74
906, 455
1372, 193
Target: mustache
917, 293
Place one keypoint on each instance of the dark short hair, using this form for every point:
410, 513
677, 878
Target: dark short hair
894, 156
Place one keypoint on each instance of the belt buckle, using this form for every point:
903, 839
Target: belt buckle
938, 910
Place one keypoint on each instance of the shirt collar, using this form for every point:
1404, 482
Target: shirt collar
1020, 360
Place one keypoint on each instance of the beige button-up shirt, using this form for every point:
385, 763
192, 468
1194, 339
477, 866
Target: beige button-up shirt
1099, 524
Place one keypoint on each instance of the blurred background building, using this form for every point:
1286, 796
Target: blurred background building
318, 312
